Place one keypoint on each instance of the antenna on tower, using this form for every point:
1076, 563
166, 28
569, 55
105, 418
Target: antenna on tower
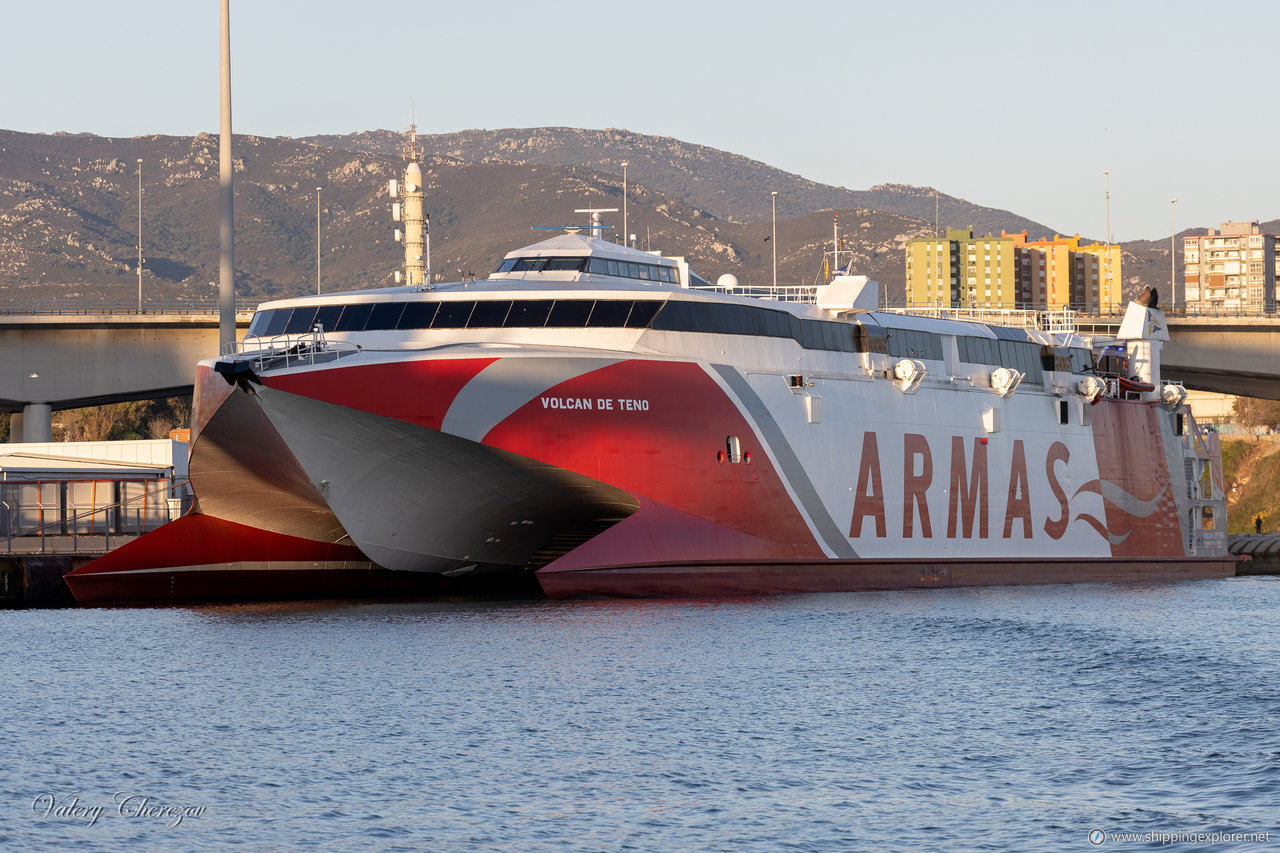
417, 237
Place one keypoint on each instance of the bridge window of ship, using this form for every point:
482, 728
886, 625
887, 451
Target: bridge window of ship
302, 320
327, 316
569, 313
489, 314
385, 315
596, 266
418, 315
354, 317
453, 315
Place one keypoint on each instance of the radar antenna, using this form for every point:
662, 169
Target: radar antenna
597, 230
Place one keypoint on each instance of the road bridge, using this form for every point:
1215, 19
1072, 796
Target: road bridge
65, 358
1225, 355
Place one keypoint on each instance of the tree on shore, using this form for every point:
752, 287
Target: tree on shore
1253, 413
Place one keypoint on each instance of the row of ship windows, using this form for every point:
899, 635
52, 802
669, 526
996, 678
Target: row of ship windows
597, 266
671, 315
488, 314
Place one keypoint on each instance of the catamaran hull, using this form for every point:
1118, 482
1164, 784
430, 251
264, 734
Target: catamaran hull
677, 580
599, 474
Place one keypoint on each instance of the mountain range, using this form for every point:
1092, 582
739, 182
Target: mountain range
69, 211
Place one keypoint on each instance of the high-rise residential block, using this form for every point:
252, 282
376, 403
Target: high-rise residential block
1231, 269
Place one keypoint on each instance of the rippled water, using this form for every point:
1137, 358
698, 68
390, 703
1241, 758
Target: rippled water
992, 719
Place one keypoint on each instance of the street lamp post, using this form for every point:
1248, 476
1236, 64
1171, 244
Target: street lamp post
1106, 173
1173, 238
626, 240
139, 235
774, 238
317, 241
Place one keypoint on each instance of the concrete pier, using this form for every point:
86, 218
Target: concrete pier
35, 580
1263, 552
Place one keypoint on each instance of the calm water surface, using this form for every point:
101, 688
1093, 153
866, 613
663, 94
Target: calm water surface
993, 719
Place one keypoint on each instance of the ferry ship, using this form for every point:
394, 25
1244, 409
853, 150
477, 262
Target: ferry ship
595, 420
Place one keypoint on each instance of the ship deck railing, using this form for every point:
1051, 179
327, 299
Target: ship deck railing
1061, 321
800, 293
308, 348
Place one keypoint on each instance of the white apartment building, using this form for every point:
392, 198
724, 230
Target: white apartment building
1231, 269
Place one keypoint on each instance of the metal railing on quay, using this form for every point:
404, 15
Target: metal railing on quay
120, 521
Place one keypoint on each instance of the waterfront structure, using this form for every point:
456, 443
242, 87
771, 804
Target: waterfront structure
1011, 271
86, 488
1231, 269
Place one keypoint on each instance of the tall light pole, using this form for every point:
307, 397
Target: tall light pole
139, 235
774, 196
1173, 273
226, 195
317, 241
626, 240
1106, 173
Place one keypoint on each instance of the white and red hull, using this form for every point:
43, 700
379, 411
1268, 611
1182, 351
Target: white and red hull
649, 463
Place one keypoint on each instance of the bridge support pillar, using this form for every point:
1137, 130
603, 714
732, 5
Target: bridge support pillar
37, 422
15, 427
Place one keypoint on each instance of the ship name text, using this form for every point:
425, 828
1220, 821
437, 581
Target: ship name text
969, 496
599, 404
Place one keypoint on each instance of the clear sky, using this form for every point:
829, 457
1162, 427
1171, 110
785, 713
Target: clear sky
1020, 106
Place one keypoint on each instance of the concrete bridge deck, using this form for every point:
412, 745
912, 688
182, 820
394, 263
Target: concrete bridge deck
66, 358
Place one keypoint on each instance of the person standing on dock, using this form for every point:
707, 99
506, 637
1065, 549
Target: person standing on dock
1257, 523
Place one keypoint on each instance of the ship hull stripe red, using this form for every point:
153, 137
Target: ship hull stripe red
771, 577
247, 582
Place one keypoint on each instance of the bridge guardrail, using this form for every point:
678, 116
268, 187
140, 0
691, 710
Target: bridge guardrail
72, 308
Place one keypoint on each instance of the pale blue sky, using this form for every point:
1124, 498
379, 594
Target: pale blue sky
1013, 105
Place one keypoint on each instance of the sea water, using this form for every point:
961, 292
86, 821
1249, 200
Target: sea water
1103, 716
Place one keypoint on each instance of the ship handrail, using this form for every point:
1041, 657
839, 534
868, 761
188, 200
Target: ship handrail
795, 293
1059, 321
290, 349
